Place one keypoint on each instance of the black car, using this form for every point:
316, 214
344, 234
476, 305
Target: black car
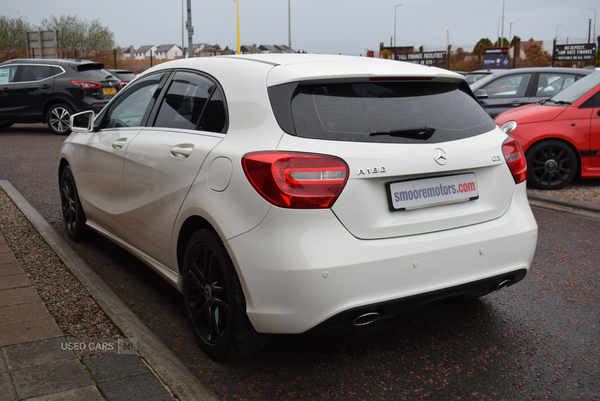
502, 90
125, 76
49, 91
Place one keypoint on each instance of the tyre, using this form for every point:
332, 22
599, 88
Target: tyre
551, 164
214, 300
73, 215
59, 119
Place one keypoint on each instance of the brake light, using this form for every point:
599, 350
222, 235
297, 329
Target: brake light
122, 84
515, 158
86, 84
296, 180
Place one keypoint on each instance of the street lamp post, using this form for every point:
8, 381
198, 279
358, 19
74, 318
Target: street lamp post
289, 26
395, 8
556, 37
237, 2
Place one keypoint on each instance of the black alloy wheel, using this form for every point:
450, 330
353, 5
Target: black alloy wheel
73, 215
214, 300
59, 119
551, 164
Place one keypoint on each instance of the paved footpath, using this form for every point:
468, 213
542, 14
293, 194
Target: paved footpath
38, 363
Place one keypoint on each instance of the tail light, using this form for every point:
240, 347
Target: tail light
515, 158
86, 84
122, 84
296, 180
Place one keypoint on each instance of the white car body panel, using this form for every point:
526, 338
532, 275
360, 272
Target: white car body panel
302, 268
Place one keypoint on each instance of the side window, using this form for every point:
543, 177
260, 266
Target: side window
130, 108
32, 73
550, 84
510, 86
7, 74
192, 102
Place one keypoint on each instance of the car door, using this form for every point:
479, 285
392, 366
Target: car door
7, 78
100, 172
162, 162
595, 133
505, 92
32, 88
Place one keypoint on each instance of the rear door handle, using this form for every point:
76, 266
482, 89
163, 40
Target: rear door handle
119, 143
182, 151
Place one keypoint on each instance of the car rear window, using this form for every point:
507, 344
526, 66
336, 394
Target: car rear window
406, 112
94, 71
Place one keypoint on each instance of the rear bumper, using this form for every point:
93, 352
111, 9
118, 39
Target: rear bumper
300, 268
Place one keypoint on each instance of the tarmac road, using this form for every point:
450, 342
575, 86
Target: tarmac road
539, 339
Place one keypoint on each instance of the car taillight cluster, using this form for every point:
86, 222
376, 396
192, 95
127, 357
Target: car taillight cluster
122, 84
515, 158
296, 180
86, 84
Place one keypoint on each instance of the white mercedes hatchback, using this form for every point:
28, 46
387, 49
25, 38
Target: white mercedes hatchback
287, 193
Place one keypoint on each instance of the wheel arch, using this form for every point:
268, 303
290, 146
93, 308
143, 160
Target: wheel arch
188, 228
54, 101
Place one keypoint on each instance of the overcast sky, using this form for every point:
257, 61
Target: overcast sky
325, 26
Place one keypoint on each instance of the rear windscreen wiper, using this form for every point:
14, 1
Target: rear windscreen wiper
422, 133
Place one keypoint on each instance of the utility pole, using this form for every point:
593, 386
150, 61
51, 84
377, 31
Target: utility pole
190, 29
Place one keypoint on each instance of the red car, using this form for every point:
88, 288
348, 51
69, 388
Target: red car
560, 135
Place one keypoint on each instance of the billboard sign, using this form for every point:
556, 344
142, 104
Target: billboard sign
496, 61
424, 58
583, 52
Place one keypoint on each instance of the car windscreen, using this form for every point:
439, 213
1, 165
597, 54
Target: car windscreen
406, 112
573, 92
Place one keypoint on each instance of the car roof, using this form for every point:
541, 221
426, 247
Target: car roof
71, 62
285, 68
499, 72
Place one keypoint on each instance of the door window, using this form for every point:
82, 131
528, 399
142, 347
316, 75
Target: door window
550, 84
129, 109
192, 102
509, 86
32, 73
7, 74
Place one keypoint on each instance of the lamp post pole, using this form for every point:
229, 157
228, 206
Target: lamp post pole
395, 8
289, 26
237, 2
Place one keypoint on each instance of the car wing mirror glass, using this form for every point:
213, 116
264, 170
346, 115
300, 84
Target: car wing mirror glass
83, 122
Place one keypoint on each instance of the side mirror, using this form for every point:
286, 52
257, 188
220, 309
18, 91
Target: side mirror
83, 122
481, 94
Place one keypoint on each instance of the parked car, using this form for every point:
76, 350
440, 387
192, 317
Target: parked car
50, 91
561, 135
502, 90
125, 76
287, 193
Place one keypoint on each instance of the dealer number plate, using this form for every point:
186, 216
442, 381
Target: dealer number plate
417, 194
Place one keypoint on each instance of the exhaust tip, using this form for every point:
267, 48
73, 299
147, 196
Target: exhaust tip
365, 319
503, 284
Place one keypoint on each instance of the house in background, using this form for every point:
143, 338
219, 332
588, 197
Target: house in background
145, 52
275, 49
168, 52
206, 50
